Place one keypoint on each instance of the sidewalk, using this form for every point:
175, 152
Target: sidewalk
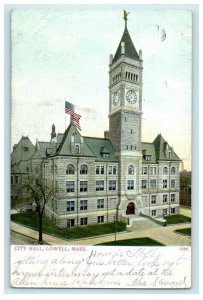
164, 235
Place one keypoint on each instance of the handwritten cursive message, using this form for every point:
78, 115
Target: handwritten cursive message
100, 267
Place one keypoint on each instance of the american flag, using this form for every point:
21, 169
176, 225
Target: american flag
69, 108
74, 119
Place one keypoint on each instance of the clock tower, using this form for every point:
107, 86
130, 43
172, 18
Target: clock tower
125, 96
125, 120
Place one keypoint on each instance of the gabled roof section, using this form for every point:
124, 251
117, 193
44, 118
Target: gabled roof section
40, 149
162, 149
101, 146
72, 136
24, 150
130, 50
149, 149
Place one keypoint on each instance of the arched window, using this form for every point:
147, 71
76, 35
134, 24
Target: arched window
131, 170
83, 169
173, 171
126, 74
165, 170
136, 77
70, 169
129, 75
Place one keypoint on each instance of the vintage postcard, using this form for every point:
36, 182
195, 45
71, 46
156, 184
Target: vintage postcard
101, 148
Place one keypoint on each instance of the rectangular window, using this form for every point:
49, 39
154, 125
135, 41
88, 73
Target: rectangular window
165, 211
153, 184
70, 186
16, 179
25, 149
153, 212
56, 205
173, 197
99, 185
70, 205
77, 148
99, 170
144, 184
130, 184
83, 186
164, 183
112, 170
152, 170
153, 199
112, 185
83, 221
100, 203
100, 219
173, 183
148, 157
165, 198
144, 170
173, 210
83, 204
11, 179
70, 223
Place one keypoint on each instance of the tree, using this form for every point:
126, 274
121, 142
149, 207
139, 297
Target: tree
41, 194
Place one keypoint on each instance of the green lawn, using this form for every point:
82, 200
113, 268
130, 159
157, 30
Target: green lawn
186, 231
175, 219
31, 220
133, 242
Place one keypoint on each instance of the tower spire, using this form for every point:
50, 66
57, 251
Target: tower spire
125, 17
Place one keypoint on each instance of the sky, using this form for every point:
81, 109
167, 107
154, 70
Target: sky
60, 55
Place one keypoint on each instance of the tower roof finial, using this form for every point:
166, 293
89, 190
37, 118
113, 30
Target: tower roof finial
125, 17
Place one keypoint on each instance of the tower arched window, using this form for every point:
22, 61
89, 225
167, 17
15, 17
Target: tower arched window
165, 170
129, 75
70, 169
126, 75
83, 169
134, 77
131, 170
173, 171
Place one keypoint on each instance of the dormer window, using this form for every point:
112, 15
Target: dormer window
25, 149
104, 152
77, 148
148, 157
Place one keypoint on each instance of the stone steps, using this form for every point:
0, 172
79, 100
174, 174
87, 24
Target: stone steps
140, 223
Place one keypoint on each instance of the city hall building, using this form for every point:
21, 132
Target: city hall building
100, 180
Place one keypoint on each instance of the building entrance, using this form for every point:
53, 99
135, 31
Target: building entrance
130, 209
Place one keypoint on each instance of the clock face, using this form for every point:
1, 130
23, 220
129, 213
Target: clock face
116, 98
131, 97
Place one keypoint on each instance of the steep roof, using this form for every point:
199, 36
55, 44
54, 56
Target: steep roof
100, 146
150, 150
159, 150
130, 50
161, 147
64, 147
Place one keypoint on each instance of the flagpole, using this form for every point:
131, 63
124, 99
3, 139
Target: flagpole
65, 121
